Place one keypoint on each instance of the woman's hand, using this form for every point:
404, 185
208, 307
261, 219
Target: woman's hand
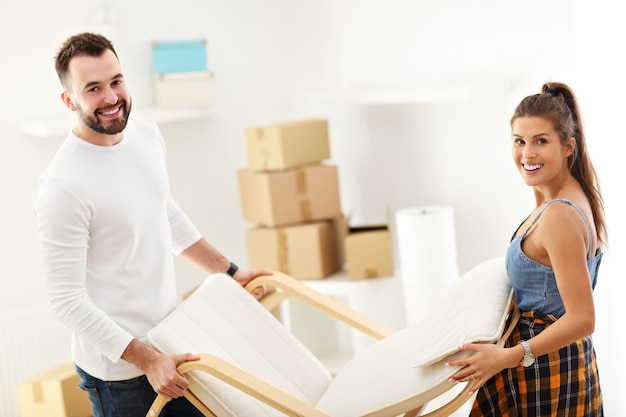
487, 361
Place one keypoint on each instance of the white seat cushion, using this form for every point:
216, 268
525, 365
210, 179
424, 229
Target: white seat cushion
385, 376
471, 311
222, 319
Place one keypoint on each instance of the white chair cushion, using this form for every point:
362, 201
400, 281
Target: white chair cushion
473, 310
384, 376
220, 318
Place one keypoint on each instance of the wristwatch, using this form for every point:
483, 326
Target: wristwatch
232, 269
528, 358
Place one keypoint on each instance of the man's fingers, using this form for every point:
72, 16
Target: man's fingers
185, 357
258, 292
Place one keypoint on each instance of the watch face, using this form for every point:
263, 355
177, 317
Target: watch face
527, 361
528, 358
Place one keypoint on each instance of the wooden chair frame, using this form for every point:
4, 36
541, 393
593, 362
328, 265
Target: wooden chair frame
279, 287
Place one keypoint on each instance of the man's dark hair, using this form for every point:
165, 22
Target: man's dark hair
86, 43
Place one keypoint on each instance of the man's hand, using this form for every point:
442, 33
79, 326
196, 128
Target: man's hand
160, 369
243, 277
164, 378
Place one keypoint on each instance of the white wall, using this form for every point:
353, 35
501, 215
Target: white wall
279, 59
420, 94
602, 68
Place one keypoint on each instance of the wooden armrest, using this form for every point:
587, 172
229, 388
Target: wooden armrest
240, 379
160, 402
281, 286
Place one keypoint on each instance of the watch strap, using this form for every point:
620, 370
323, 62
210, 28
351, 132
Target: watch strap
232, 269
528, 358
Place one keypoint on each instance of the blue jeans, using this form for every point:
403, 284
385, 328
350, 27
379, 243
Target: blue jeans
129, 398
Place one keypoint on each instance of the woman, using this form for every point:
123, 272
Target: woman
548, 365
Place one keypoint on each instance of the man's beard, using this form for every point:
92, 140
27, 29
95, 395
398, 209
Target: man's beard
114, 126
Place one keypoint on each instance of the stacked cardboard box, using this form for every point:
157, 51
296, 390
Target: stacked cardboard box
54, 393
292, 196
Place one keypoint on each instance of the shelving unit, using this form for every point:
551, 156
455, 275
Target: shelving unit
58, 126
173, 114
334, 342
431, 92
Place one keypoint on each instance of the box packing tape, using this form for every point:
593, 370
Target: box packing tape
266, 157
371, 272
302, 191
301, 185
265, 152
283, 255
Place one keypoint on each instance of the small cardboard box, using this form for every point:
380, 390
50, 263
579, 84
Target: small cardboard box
296, 195
184, 89
304, 251
54, 393
287, 145
368, 252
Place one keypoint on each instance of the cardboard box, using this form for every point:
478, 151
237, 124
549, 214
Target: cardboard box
184, 89
303, 251
368, 252
292, 196
287, 145
54, 393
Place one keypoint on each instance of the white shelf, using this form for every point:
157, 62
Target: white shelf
46, 127
173, 114
413, 93
59, 126
402, 95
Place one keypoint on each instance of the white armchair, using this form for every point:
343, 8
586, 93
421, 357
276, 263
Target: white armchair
253, 366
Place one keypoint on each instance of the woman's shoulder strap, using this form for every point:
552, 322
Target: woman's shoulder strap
570, 203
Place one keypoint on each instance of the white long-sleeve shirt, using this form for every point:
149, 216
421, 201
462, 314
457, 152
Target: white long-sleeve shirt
108, 226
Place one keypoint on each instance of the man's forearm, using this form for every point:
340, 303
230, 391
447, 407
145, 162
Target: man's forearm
160, 369
207, 257
139, 355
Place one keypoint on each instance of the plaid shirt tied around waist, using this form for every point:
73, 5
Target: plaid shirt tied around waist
560, 384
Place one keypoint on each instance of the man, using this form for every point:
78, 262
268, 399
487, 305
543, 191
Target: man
108, 226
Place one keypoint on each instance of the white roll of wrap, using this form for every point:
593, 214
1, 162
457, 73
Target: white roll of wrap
427, 257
